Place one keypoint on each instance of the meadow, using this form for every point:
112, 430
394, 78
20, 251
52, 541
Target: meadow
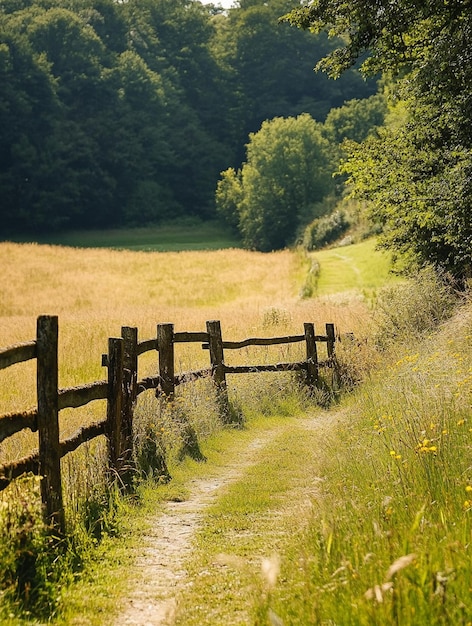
184, 234
387, 537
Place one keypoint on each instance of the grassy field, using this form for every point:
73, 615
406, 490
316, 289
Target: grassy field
190, 234
359, 268
94, 292
387, 537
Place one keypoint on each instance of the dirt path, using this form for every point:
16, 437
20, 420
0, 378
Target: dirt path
159, 569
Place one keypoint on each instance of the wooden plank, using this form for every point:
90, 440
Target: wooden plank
189, 377
48, 421
165, 343
17, 354
331, 334
276, 367
130, 394
215, 341
74, 397
216, 352
151, 382
147, 346
87, 433
268, 341
331, 339
187, 337
312, 375
18, 468
12, 423
258, 341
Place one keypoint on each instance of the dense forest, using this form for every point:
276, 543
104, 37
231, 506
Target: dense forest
125, 113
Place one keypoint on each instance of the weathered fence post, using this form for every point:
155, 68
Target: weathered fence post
48, 421
215, 342
330, 333
165, 345
114, 402
130, 393
312, 377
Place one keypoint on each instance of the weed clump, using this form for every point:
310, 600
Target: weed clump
28, 552
410, 310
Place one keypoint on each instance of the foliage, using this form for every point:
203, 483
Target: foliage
419, 190
356, 119
412, 309
416, 175
287, 171
28, 575
325, 230
124, 113
274, 64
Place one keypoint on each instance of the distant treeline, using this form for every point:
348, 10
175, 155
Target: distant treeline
122, 113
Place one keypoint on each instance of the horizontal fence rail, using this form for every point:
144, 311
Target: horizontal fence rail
17, 354
121, 390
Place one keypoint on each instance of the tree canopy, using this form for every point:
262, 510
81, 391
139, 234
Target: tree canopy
286, 173
417, 172
117, 113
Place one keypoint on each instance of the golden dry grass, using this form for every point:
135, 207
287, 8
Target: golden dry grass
95, 291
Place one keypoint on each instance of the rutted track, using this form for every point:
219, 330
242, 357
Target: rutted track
159, 567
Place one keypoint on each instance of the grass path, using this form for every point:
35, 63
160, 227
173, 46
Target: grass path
197, 559
159, 573
359, 267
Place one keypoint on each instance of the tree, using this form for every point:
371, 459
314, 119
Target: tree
175, 42
356, 119
274, 67
417, 175
287, 171
419, 190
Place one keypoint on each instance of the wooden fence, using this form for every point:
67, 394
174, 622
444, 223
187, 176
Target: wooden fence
121, 390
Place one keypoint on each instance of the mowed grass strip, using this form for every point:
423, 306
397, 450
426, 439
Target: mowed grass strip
359, 267
245, 533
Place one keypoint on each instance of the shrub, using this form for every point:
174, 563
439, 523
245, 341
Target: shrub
325, 230
413, 308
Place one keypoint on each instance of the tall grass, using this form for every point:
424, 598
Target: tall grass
94, 292
390, 533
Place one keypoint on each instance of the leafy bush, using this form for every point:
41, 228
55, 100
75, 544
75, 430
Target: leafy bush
288, 167
325, 230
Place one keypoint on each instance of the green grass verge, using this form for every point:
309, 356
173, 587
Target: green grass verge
389, 540
359, 267
174, 236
